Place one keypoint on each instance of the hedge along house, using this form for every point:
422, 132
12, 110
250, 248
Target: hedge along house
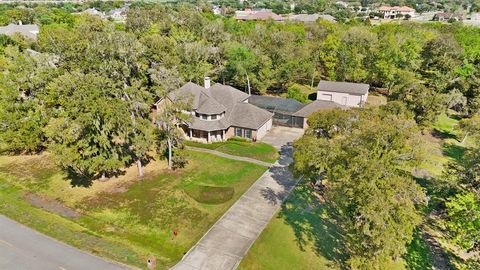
344, 93
289, 112
220, 112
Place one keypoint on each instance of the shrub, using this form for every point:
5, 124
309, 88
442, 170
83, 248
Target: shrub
179, 159
238, 139
294, 92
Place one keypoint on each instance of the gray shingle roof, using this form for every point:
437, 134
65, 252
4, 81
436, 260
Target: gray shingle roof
343, 87
222, 98
26, 30
226, 94
191, 90
249, 116
209, 125
208, 105
317, 105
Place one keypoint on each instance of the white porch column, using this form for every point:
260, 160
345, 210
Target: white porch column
190, 133
223, 134
208, 136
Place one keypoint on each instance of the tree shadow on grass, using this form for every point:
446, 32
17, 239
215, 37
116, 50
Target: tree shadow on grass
418, 254
86, 179
443, 134
312, 223
454, 151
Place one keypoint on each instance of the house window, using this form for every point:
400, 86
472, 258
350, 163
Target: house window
238, 132
197, 114
214, 117
204, 116
243, 132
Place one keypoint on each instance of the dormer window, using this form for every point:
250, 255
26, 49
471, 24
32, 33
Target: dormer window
214, 117
204, 116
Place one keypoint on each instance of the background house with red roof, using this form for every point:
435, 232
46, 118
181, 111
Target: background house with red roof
396, 11
257, 15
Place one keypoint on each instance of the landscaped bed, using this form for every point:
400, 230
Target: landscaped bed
126, 218
256, 150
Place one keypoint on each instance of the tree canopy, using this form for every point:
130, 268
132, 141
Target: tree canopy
358, 156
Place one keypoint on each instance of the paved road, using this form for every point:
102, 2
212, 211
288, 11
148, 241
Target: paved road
220, 154
230, 238
22, 248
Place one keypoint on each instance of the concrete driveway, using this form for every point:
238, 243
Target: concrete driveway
23, 248
229, 239
280, 136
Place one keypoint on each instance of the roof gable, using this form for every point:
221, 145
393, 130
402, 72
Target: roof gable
343, 87
249, 116
317, 105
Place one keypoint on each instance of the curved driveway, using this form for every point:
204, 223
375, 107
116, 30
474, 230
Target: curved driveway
230, 238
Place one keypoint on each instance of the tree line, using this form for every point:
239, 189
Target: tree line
127, 67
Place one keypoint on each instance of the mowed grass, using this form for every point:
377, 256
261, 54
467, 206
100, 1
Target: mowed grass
297, 237
303, 236
126, 218
13, 205
441, 145
256, 150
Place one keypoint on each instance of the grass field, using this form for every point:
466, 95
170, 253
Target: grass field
257, 150
125, 218
442, 145
302, 236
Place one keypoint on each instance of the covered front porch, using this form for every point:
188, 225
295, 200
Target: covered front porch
205, 136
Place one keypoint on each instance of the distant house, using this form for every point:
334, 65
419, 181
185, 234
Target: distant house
257, 15
289, 112
447, 16
217, 10
27, 30
118, 14
343, 93
311, 18
396, 11
342, 4
94, 12
220, 112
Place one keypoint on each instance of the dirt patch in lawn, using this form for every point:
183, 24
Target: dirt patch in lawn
51, 205
210, 194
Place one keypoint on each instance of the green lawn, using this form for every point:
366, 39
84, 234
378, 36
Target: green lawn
126, 219
257, 150
302, 236
297, 238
